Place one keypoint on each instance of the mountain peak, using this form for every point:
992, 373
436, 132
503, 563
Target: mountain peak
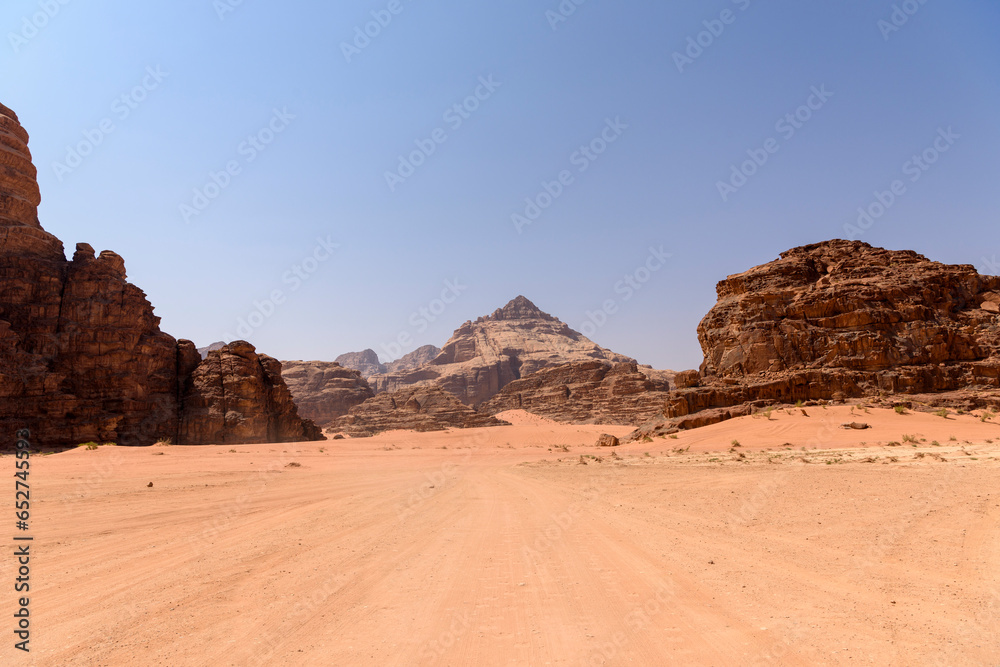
519, 308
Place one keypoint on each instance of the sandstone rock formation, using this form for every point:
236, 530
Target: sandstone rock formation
82, 357
843, 319
365, 361
413, 360
415, 409
203, 351
236, 396
586, 392
324, 391
607, 440
484, 356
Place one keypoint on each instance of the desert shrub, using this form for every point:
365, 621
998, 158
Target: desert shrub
900, 409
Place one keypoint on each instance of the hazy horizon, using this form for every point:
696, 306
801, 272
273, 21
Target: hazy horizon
235, 152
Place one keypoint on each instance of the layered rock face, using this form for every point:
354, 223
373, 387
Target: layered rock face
236, 396
324, 391
484, 356
365, 361
586, 392
413, 409
413, 360
82, 357
844, 319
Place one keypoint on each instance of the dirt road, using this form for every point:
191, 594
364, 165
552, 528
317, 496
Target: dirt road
500, 547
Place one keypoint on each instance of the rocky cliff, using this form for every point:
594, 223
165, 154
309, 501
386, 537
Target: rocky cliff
843, 319
413, 360
82, 357
324, 391
586, 392
412, 409
365, 361
484, 356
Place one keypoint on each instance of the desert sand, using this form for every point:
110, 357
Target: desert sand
807, 544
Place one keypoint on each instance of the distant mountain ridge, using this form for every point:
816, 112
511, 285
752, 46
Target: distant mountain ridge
482, 357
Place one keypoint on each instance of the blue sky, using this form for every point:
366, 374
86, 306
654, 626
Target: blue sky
305, 231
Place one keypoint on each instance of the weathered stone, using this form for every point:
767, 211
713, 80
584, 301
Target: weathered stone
365, 361
839, 320
607, 440
484, 356
82, 357
412, 409
586, 392
324, 391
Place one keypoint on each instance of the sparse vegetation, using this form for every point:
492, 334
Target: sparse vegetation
901, 410
987, 415
943, 413
673, 436
952, 438
935, 443
736, 443
799, 403
164, 442
92, 445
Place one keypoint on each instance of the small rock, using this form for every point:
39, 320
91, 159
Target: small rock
150, 485
858, 426
607, 440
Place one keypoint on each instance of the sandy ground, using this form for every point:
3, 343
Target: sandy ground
805, 545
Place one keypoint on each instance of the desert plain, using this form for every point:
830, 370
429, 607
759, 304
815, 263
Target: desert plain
803, 544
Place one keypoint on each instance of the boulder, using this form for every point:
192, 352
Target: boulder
607, 440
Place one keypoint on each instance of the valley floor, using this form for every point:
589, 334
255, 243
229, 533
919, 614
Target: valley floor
807, 544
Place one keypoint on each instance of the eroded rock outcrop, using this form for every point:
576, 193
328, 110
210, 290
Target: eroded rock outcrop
366, 362
237, 396
412, 409
324, 391
484, 356
414, 360
586, 392
82, 357
843, 319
